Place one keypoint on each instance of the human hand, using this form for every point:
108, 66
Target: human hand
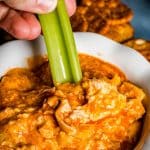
17, 16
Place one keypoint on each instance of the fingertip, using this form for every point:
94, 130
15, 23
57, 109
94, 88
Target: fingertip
71, 6
34, 25
14, 24
25, 31
21, 25
20, 29
72, 11
34, 32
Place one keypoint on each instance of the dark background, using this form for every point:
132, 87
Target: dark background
141, 20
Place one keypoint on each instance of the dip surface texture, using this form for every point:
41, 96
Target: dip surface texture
102, 112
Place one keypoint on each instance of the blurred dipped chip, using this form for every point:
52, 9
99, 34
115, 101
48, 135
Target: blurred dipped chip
119, 15
87, 19
108, 17
141, 45
101, 3
120, 33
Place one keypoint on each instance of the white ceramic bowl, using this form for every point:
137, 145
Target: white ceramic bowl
135, 67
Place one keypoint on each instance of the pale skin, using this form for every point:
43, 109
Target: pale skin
17, 17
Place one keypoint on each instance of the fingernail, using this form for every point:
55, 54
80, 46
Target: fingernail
47, 5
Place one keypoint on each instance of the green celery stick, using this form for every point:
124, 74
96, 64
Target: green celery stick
61, 49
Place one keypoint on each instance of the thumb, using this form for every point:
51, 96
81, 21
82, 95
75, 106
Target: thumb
34, 6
